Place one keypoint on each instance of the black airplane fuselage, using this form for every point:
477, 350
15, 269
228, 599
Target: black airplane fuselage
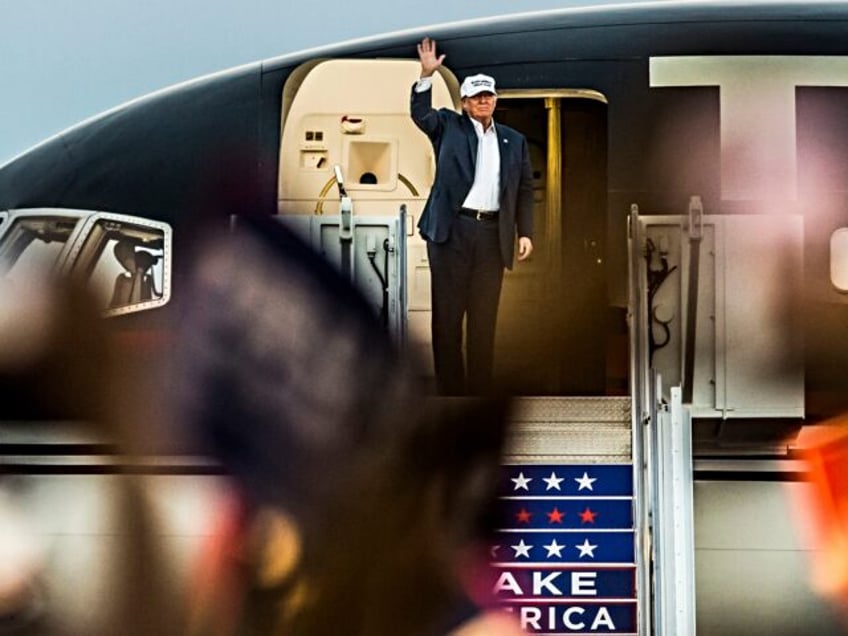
196, 154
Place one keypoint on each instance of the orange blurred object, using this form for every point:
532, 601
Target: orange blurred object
826, 453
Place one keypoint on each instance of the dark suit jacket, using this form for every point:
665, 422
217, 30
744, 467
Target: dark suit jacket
455, 143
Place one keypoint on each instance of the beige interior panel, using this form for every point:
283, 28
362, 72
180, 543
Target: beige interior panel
355, 113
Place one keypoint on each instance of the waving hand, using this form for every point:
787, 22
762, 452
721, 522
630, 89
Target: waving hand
429, 60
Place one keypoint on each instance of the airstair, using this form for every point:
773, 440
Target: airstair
566, 559
596, 534
596, 530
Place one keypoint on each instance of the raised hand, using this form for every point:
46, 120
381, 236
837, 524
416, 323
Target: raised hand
427, 54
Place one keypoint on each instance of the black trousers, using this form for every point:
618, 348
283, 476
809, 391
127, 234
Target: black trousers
466, 276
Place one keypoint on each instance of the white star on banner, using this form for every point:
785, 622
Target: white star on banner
553, 481
585, 481
522, 549
554, 549
521, 482
494, 551
586, 549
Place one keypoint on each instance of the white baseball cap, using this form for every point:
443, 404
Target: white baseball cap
474, 84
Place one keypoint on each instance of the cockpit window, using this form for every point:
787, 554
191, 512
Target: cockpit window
126, 264
124, 260
32, 244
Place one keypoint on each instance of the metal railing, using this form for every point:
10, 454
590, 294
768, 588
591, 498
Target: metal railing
662, 474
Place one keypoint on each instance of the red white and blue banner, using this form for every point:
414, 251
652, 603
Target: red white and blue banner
563, 558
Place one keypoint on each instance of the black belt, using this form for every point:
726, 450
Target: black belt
480, 215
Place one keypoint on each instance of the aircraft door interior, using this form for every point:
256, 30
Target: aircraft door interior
354, 114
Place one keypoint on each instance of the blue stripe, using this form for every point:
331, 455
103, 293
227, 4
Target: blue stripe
609, 479
527, 584
611, 547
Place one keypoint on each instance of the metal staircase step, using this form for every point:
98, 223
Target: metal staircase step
572, 430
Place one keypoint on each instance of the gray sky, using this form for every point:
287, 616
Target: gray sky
62, 61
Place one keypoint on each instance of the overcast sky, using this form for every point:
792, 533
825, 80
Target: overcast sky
62, 61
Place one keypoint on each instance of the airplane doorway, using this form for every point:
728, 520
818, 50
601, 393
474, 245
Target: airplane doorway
552, 336
553, 325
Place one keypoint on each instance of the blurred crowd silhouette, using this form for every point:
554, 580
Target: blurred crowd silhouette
350, 503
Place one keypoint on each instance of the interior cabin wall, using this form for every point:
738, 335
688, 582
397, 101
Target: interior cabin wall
556, 335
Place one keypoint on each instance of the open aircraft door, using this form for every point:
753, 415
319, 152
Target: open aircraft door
354, 115
349, 120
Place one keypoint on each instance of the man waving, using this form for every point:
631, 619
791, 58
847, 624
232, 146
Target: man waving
482, 194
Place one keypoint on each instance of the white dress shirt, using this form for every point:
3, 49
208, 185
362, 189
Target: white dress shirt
485, 191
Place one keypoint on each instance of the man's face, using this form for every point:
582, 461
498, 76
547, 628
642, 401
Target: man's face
480, 106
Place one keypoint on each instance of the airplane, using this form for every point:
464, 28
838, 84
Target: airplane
689, 168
